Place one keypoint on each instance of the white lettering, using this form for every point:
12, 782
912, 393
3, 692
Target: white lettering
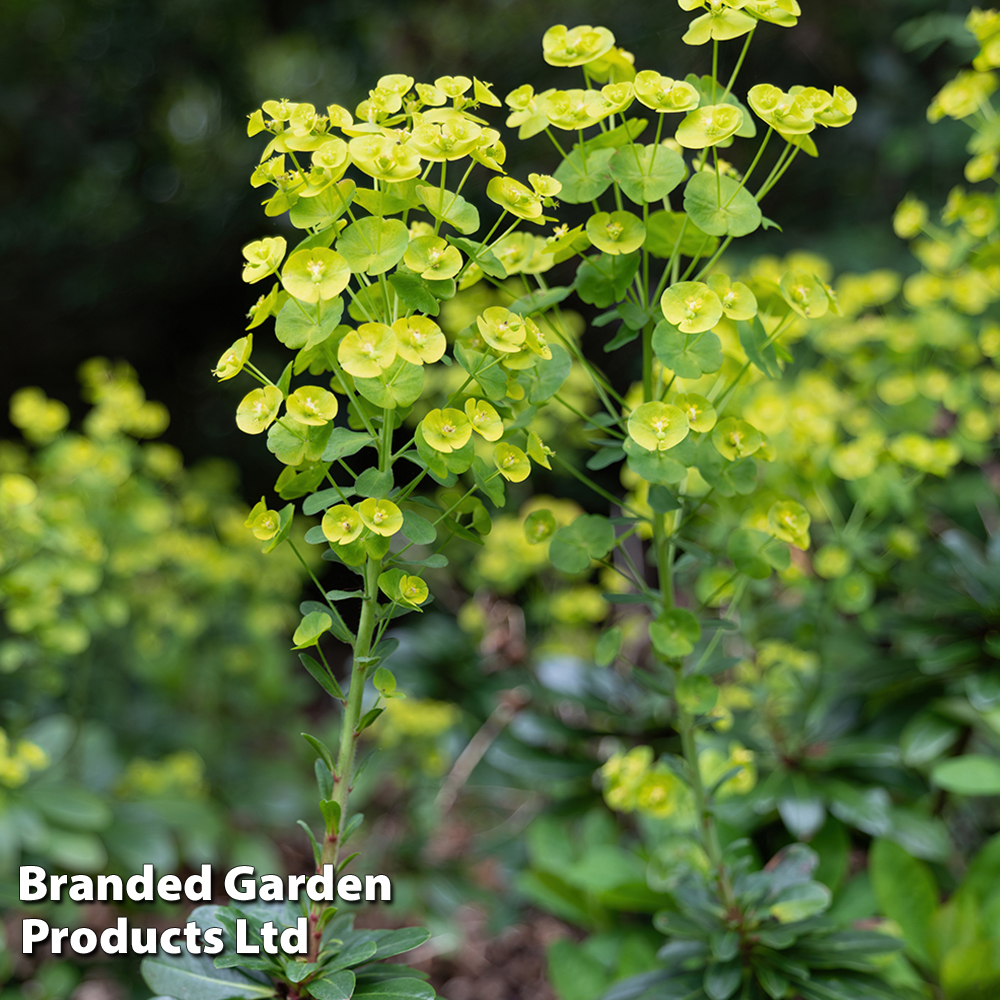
294, 882
213, 941
198, 888
349, 888
294, 940
114, 940
166, 941
385, 889
248, 888
33, 930
140, 887
168, 889
271, 888
82, 889
31, 886
243, 947
143, 947
83, 940
320, 888
115, 884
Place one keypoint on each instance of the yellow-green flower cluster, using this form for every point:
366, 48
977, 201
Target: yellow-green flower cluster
18, 760
108, 540
179, 775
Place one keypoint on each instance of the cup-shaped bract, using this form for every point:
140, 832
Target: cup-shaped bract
341, 524
314, 274
262, 258
781, 12
258, 409
734, 438
789, 521
572, 110
413, 590
448, 140
657, 426
662, 93
312, 405
805, 293
691, 306
699, 411
790, 114
708, 126
503, 330
432, 258
513, 196
419, 339
512, 462
738, 301
367, 351
446, 430
231, 363
382, 517
562, 46
484, 419
616, 232
719, 23
384, 158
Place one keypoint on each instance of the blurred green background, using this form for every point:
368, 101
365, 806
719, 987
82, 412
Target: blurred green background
124, 162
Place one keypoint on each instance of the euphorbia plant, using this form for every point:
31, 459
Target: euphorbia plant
382, 411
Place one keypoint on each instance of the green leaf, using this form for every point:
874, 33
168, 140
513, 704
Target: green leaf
574, 974
608, 647
697, 694
399, 385
719, 206
323, 210
418, 529
71, 807
548, 376
539, 301
602, 281
722, 979
373, 245
675, 633
584, 176
654, 466
334, 986
662, 501
322, 676
374, 483
487, 260
971, 774
312, 626
395, 989
687, 356
343, 443
926, 737
647, 173
195, 977
449, 207
489, 481
322, 750
415, 292
754, 340
484, 370
396, 942
298, 324
906, 892
756, 553
665, 229
590, 536
799, 902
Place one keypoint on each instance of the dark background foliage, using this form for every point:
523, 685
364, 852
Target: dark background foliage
124, 162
